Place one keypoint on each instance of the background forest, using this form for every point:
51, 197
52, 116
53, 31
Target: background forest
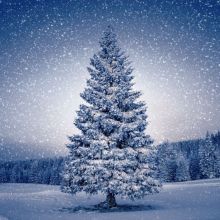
175, 161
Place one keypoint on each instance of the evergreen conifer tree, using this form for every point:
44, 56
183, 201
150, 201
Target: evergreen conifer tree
163, 158
182, 170
112, 153
208, 160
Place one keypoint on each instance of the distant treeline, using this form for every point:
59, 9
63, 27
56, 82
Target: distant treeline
189, 160
180, 161
44, 171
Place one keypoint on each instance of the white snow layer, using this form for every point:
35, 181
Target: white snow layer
194, 200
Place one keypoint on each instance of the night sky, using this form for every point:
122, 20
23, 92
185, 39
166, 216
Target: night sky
45, 47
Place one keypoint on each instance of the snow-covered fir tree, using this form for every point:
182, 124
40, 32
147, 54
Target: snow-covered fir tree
3, 176
112, 153
166, 162
162, 162
194, 167
208, 161
182, 170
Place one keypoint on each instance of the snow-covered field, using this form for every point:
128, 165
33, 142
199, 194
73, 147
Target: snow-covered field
189, 200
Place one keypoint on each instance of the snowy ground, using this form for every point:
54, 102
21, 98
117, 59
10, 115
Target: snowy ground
179, 201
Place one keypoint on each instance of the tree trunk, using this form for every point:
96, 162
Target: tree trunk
109, 203
110, 200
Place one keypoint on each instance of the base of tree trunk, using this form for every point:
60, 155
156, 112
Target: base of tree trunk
109, 203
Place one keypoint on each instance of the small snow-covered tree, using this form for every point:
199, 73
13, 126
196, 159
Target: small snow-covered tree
166, 162
182, 170
3, 177
162, 162
194, 167
33, 172
217, 164
208, 160
112, 153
